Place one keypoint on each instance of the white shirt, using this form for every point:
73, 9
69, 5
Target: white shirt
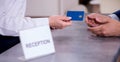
113, 16
12, 18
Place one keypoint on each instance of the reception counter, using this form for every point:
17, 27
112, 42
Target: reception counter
72, 44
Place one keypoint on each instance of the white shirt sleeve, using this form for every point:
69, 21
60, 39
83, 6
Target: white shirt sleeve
12, 18
113, 16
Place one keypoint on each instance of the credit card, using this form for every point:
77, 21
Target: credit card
76, 15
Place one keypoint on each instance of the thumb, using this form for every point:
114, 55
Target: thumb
100, 20
67, 18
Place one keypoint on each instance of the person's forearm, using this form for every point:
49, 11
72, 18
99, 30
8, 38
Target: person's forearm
115, 15
13, 27
12, 18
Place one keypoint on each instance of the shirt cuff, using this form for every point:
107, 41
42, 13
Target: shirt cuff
113, 16
40, 21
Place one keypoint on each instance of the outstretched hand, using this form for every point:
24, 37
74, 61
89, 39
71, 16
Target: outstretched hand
59, 22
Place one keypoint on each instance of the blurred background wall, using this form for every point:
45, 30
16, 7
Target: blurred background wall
109, 6
59, 7
42, 7
51, 7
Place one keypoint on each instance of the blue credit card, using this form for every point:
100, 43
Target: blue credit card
76, 15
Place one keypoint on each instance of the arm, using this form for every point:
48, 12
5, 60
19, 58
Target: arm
115, 15
12, 18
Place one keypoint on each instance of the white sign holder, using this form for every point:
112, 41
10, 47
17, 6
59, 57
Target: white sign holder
37, 42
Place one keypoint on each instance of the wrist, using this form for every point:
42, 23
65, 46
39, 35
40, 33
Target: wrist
113, 16
51, 24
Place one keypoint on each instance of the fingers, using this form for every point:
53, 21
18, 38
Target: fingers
98, 18
102, 20
62, 24
97, 30
66, 21
94, 20
65, 18
90, 22
87, 21
59, 22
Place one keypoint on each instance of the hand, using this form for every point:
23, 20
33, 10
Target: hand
111, 28
95, 19
59, 22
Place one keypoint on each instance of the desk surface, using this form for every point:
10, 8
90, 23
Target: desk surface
72, 44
